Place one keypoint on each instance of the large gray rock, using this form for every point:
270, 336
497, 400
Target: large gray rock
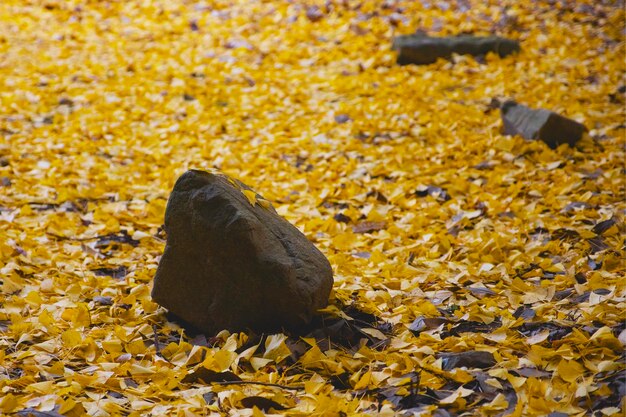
422, 49
541, 124
233, 263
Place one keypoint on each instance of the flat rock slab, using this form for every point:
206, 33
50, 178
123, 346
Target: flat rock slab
231, 262
542, 124
422, 49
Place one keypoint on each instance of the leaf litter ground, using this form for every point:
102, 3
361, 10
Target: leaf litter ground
476, 274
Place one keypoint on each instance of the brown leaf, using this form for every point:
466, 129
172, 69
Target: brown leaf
532, 372
597, 244
117, 272
472, 327
207, 376
471, 359
104, 301
342, 218
262, 403
603, 226
31, 412
426, 323
314, 14
368, 227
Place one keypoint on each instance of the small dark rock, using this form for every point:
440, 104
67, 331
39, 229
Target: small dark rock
231, 263
5, 182
548, 126
422, 49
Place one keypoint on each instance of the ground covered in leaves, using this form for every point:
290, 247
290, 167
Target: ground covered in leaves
474, 273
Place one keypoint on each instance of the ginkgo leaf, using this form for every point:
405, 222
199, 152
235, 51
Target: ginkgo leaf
251, 196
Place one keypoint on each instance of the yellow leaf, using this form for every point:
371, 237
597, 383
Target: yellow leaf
46, 319
374, 333
314, 385
461, 375
258, 363
112, 346
570, 371
250, 195
459, 393
605, 337
538, 337
275, 348
57, 368
256, 412
136, 347
223, 359
345, 241
364, 381
137, 369
33, 297
81, 318
498, 403
8, 403
264, 203
71, 338
610, 411
66, 406
41, 387
312, 358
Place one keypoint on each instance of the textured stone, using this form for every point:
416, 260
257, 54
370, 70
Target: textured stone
542, 124
422, 49
231, 262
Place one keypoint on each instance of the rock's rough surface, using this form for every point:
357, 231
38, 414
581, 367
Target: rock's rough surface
231, 262
422, 49
548, 126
